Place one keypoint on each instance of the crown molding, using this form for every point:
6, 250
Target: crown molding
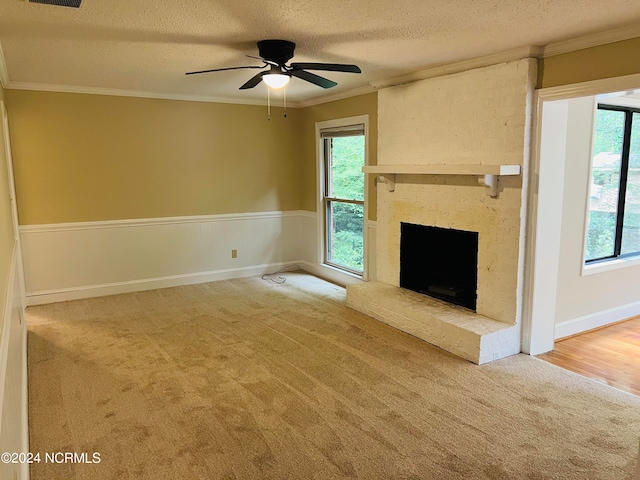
44, 87
354, 92
4, 75
457, 67
592, 40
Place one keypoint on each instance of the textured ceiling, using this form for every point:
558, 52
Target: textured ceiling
145, 45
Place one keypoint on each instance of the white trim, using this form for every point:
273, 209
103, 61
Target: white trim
4, 74
606, 266
339, 122
354, 92
332, 274
595, 320
6, 327
13, 198
13, 303
625, 83
445, 169
88, 291
543, 231
144, 222
366, 268
587, 187
25, 474
462, 66
116, 92
307, 213
592, 40
621, 100
17, 269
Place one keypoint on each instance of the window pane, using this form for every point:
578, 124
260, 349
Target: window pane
605, 179
345, 227
347, 160
631, 223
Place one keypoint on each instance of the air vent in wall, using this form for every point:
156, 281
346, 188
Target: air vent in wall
59, 3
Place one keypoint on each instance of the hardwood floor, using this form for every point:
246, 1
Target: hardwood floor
609, 355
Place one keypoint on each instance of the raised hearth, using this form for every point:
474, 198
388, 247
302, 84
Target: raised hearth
464, 333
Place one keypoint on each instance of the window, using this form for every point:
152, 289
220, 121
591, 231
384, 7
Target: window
343, 156
614, 201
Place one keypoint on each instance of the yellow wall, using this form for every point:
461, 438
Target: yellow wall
349, 107
92, 157
604, 61
6, 224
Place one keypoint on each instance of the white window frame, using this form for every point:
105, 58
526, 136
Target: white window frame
320, 179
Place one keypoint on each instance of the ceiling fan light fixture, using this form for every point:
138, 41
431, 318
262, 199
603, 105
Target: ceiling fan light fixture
276, 80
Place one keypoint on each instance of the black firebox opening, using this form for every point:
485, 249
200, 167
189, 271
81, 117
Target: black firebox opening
440, 262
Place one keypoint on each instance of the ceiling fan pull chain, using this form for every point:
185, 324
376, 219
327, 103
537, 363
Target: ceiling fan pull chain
284, 92
268, 105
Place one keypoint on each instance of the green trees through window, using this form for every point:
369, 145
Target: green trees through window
614, 200
344, 199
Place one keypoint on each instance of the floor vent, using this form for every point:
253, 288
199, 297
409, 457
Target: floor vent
59, 3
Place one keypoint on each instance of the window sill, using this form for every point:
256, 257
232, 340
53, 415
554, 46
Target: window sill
332, 274
608, 265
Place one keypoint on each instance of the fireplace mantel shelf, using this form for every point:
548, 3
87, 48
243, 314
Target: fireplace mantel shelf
489, 173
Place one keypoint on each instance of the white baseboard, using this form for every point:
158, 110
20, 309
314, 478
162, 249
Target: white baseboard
89, 291
324, 271
596, 320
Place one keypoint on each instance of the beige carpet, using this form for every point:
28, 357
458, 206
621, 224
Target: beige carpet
245, 379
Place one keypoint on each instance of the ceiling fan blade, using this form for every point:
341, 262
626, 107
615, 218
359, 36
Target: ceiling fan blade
253, 81
221, 69
330, 67
313, 78
266, 62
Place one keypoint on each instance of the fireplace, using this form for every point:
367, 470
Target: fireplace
440, 262
428, 151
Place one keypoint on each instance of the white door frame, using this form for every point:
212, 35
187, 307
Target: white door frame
14, 204
19, 272
545, 214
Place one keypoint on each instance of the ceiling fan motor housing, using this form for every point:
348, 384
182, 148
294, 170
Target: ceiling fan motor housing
277, 51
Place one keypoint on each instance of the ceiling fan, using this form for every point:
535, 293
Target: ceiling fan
275, 54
